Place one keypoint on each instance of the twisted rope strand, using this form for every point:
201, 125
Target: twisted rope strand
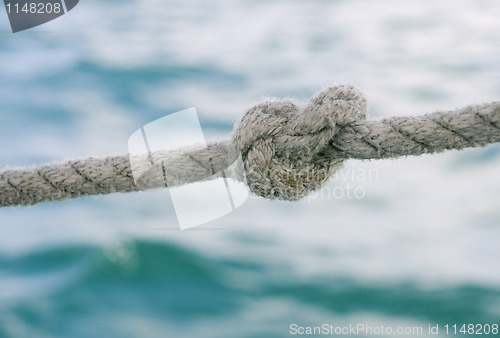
398, 136
288, 150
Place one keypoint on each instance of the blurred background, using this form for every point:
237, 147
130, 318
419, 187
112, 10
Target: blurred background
406, 242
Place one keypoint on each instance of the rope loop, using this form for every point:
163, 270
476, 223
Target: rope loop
287, 150
281, 141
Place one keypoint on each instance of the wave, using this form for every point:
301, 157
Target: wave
56, 290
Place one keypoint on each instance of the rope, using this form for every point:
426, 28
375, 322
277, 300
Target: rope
287, 149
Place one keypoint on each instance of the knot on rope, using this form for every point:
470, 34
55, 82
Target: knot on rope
281, 142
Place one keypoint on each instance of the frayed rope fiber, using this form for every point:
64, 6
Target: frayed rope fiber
287, 149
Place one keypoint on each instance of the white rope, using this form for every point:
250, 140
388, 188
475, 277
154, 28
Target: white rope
287, 150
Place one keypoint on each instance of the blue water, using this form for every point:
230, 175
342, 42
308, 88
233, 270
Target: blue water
417, 246
154, 288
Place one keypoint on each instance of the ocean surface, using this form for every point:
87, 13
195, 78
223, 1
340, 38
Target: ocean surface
407, 243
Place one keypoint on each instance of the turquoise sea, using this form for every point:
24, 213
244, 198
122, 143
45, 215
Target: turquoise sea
408, 243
